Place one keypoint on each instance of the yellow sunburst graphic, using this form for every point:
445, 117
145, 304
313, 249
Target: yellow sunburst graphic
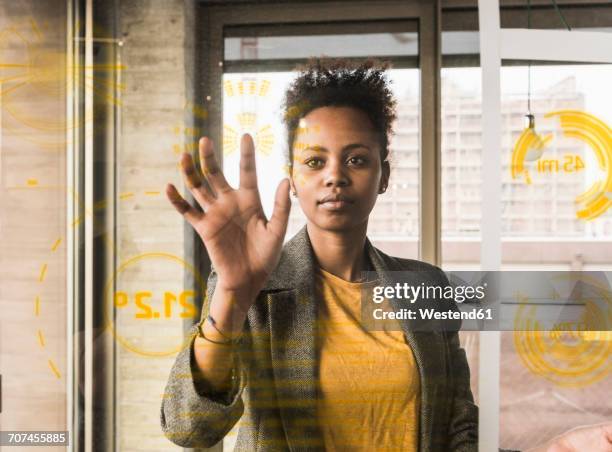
571, 354
246, 120
247, 90
246, 87
230, 140
33, 83
264, 140
585, 127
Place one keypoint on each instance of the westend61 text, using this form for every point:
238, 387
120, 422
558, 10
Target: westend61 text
431, 314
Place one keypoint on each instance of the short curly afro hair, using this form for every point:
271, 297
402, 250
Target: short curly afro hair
325, 82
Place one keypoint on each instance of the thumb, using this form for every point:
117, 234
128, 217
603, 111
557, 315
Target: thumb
282, 205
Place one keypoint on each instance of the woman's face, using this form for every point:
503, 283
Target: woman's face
337, 170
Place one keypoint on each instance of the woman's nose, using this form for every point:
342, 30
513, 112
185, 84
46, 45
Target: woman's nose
335, 175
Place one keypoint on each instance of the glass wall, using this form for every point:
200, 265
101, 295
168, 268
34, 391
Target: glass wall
554, 219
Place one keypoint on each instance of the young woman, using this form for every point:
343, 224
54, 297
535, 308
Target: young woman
281, 346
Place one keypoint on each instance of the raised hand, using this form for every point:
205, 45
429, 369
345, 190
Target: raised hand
243, 245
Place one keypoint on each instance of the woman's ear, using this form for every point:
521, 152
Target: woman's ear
292, 186
384, 178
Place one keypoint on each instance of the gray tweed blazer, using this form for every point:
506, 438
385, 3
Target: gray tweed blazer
274, 394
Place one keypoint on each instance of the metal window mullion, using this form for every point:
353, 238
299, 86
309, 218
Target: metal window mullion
311, 12
88, 221
490, 251
430, 62
71, 397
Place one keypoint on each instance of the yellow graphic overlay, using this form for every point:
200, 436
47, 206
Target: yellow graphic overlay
246, 92
598, 136
150, 303
33, 84
571, 354
582, 126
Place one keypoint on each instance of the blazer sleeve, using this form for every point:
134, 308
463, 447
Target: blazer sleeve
192, 415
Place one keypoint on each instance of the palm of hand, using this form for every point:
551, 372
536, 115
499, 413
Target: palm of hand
244, 247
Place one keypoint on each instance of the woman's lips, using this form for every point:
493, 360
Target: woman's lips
335, 205
335, 202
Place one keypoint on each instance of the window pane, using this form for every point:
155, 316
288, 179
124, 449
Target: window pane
252, 104
461, 168
541, 226
556, 217
394, 222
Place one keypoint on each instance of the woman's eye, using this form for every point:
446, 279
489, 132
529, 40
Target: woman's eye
314, 163
357, 161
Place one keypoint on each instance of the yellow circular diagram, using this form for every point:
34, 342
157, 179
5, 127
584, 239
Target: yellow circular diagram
149, 304
590, 130
573, 354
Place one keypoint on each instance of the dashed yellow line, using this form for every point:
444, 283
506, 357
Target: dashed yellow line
13, 65
35, 29
43, 273
54, 369
41, 338
33, 183
56, 244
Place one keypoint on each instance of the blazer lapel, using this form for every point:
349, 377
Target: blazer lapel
293, 316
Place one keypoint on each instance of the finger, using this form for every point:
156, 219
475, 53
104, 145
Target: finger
248, 170
282, 207
183, 207
210, 167
191, 176
194, 182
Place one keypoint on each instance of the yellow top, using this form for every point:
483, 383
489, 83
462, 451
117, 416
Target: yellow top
369, 383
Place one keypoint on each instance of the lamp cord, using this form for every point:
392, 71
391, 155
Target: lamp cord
529, 63
560, 13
